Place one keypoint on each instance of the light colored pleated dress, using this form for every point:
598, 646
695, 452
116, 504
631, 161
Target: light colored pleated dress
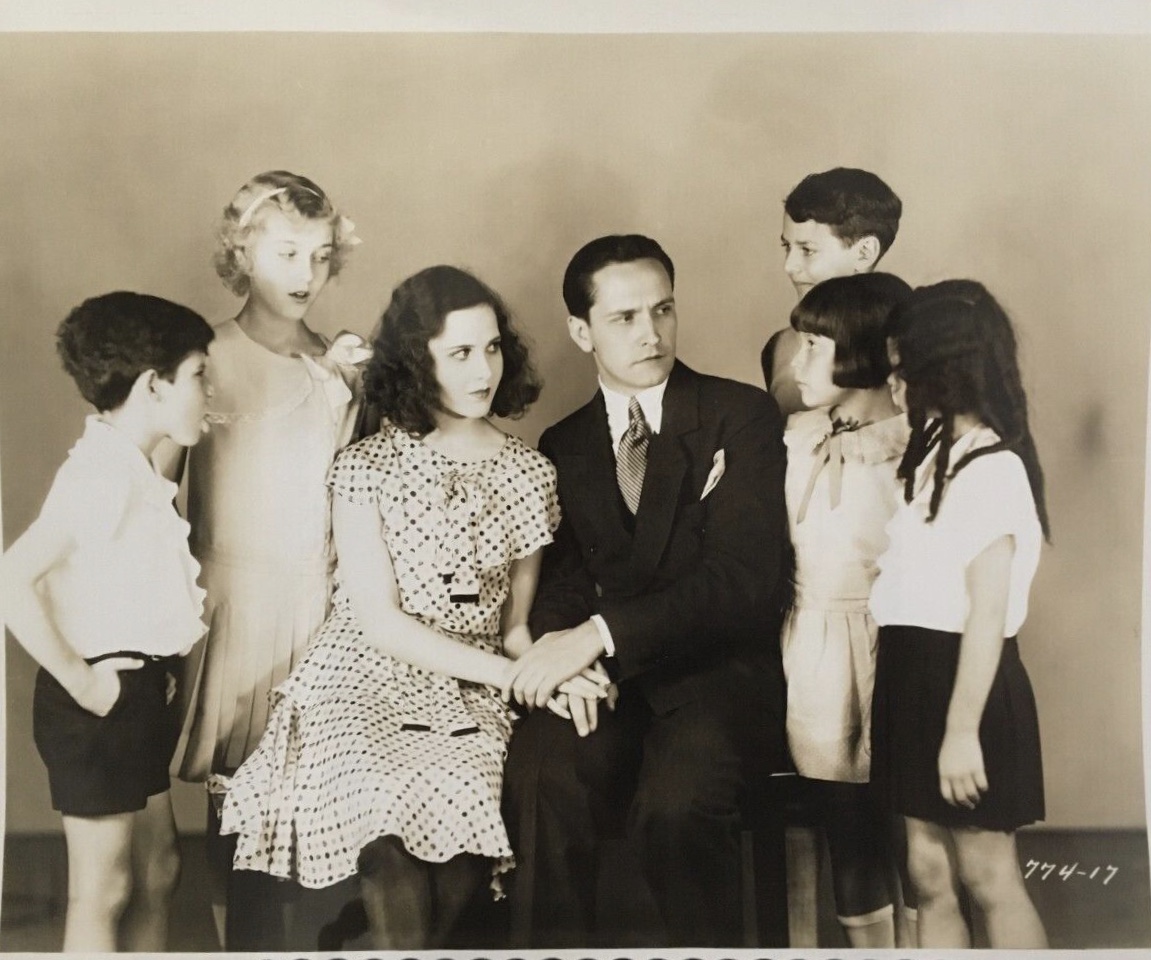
260, 517
841, 491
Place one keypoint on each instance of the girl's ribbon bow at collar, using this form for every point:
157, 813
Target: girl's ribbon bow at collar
347, 349
456, 554
831, 445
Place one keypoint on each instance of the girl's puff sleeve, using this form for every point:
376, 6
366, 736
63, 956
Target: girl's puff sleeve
991, 498
359, 471
534, 501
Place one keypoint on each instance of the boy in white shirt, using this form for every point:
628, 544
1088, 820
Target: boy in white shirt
101, 590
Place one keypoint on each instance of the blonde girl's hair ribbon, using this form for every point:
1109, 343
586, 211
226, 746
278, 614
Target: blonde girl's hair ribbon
346, 232
246, 216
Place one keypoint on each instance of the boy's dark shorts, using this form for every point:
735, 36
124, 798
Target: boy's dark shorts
105, 765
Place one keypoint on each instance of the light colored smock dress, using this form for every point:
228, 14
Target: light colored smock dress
841, 492
261, 529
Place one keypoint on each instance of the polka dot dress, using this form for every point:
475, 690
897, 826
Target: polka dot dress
361, 745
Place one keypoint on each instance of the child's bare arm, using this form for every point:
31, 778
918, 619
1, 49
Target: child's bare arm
961, 771
27, 615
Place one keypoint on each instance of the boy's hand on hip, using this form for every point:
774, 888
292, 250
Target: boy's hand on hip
101, 690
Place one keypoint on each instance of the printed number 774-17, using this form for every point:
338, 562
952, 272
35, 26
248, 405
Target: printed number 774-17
1067, 871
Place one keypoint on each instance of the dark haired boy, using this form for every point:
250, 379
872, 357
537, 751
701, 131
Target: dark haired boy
101, 590
835, 223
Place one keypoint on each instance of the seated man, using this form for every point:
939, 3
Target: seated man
664, 570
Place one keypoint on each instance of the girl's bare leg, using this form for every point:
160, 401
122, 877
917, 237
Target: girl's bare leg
989, 869
932, 862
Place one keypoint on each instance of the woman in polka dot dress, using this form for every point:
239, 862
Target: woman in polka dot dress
385, 750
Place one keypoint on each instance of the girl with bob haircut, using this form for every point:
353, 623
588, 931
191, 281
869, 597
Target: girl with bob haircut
842, 455
957, 750
285, 402
384, 753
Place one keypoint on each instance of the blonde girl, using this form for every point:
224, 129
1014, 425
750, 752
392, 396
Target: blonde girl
285, 403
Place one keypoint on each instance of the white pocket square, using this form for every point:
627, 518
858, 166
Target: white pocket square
713, 478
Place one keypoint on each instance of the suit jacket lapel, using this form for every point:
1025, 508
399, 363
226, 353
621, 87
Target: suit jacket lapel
592, 466
666, 465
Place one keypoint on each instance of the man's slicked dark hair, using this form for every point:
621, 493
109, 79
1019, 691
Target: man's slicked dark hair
578, 288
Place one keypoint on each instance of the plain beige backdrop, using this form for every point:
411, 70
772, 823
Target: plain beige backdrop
1021, 161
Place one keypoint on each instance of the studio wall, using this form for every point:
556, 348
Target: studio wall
1021, 161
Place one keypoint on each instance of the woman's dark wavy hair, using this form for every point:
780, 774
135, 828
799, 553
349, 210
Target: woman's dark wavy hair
957, 355
400, 382
853, 311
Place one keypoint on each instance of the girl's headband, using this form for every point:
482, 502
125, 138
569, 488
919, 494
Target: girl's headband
347, 229
246, 216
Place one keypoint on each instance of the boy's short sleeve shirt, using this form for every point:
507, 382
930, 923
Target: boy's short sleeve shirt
130, 582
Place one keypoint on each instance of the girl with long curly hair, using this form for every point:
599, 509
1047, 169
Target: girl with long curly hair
955, 731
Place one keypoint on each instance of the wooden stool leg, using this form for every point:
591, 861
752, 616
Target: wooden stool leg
803, 854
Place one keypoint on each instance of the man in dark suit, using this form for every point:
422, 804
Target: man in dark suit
663, 574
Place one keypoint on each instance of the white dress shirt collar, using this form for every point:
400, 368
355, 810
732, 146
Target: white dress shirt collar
650, 401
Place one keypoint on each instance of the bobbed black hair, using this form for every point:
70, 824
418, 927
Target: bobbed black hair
853, 311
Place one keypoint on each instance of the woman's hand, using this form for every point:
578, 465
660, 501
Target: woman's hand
588, 684
962, 779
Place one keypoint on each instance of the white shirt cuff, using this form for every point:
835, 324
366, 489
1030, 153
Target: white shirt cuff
604, 635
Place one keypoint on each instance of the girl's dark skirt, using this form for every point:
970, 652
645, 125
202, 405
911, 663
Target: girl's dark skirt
914, 676
99, 766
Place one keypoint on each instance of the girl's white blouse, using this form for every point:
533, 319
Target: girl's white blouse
922, 574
